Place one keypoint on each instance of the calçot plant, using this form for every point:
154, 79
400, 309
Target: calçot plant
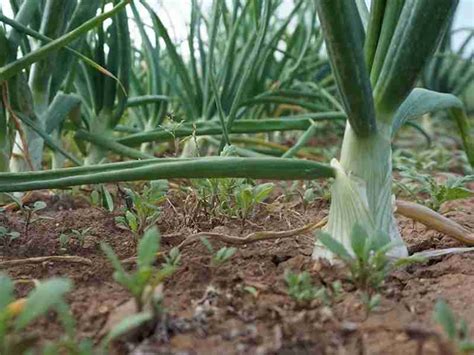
376, 61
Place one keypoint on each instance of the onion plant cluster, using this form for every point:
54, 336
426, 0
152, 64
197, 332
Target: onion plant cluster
242, 81
451, 69
38, 81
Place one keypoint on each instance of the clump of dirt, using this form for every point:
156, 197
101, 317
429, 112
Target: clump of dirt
243, 306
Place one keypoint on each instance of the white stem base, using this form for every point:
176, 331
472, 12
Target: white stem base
361, 193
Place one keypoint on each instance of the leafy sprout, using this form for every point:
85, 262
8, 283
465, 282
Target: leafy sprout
8, 235
433, 192
74, 235
220, 256
142, 283
456, 330
17, 315
368, 262
302, 290
143, 210
300, 287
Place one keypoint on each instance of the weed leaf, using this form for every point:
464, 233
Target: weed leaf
334, 246
41, 299
148, 247
445, 317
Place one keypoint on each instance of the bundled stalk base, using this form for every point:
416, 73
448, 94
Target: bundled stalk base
349, 205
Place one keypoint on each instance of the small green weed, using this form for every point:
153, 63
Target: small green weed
142, 209
235, 198
437, 158
427, 190
301, 289
221, 256
30, 212
73, 236
251, 290
457, 331
8, 235
101, 197
16, 315
247, 197
142, 282
231, 197
369, 264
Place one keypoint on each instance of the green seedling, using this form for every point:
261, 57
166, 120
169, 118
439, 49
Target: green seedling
74, 235
252, 290
16, 315
29, 212
232, 197
221, 256
101, 197
26, 209
7, 235
369, 263
456, 330
437, 193
235, 198
145, 279
142, 209
300, 287
247, 197
309, 196
316, 190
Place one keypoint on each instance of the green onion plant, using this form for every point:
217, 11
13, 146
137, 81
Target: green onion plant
242, 80
39, 58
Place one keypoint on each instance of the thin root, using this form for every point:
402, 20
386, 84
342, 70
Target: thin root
255, 236
42, 259
250, 238
434, 220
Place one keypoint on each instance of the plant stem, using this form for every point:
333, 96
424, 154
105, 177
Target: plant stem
362, 191
211, 167
99, 127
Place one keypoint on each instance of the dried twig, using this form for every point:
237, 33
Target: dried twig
41, 259
250, 238
255, 236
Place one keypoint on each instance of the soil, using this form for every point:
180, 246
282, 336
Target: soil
209, 311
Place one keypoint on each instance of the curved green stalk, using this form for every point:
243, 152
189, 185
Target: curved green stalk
377, 9
391, 14
422, 101
214, 167
305, 137
344, 35
109, 144
287, 123
420, 27
83, 170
